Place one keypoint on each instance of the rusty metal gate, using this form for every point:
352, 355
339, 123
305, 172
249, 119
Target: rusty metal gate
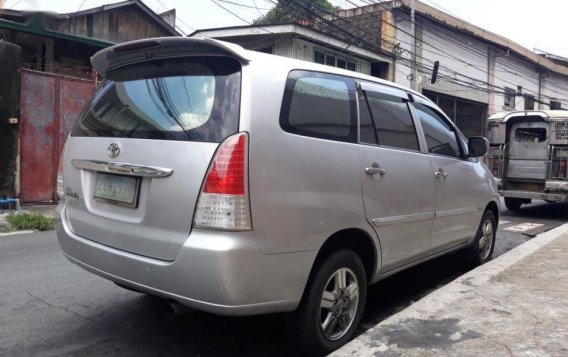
49, 106
469, 116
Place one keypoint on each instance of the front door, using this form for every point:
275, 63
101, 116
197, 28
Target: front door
398, 186
459, 182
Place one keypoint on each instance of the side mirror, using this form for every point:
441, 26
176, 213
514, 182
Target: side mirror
478, 146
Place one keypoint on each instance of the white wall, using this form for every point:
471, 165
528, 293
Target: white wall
555, 86
511, 72
466, 60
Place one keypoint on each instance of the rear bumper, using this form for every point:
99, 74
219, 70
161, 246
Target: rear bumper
218, 272
551, 197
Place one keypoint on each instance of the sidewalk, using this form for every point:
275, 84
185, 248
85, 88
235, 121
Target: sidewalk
46, 210
515, 305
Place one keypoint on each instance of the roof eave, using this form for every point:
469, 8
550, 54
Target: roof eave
290, 28
482, 34
16, 26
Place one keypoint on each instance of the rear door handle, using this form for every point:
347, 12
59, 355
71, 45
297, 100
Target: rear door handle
375, 169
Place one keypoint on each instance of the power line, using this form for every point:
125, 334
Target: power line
490, 87
244, 5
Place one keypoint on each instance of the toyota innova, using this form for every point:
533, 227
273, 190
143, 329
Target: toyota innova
242, 183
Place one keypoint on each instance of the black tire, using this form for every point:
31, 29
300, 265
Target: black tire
307, 319
513, 204
479, 253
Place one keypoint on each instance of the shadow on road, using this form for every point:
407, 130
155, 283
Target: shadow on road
540, 210
149, 327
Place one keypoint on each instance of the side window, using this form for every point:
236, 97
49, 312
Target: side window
389, 121
440, 136
319, 105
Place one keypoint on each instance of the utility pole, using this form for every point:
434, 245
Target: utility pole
413, 45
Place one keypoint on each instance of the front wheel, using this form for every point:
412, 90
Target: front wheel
333, 304
482, 248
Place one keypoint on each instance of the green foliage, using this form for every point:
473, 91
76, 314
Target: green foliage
30, 221
287, 11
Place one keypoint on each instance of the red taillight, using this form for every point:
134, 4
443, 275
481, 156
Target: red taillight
562, 170
227, 172
223, 202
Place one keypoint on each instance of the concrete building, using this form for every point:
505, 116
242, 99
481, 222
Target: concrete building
305, 42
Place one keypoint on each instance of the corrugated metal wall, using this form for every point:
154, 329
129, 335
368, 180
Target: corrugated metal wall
115, 25
49, 106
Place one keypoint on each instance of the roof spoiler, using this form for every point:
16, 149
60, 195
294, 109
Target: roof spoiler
127, 53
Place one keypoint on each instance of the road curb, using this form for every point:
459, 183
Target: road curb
437, 300
15, 233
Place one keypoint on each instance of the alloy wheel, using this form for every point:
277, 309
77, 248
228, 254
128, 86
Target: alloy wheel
339, 303
486, 239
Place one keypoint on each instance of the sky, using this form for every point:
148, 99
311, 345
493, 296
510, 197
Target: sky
533, 24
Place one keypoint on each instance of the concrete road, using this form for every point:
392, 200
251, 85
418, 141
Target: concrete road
50, 307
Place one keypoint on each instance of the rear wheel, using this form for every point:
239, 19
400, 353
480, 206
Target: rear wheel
513, 204
332, 305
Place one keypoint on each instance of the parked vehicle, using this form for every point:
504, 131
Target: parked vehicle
528, 155
240, 183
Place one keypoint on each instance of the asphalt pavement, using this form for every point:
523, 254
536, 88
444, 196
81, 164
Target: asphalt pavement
50, 307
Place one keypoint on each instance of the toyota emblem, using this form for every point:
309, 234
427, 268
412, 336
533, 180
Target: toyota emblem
113, 150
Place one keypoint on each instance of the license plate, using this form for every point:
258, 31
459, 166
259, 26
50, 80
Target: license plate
117, 189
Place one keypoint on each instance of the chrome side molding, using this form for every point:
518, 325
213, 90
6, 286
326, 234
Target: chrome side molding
403, 219
122, 168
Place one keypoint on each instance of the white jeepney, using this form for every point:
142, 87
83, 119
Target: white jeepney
528, 155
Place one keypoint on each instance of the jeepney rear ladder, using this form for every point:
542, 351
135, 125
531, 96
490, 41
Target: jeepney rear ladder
558, 163
496, 160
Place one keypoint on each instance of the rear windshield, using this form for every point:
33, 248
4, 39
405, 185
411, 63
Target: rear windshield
193, 99
530, 134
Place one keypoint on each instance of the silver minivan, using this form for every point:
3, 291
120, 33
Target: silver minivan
241, 183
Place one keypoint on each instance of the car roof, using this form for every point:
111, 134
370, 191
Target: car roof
544, 114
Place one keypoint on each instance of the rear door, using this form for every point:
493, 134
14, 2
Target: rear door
136, 160
398, 186
528, 150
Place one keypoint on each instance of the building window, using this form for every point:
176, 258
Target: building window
319, 57
334, 61
529, 102
351, 66
554, 104
509, 98
330, 60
